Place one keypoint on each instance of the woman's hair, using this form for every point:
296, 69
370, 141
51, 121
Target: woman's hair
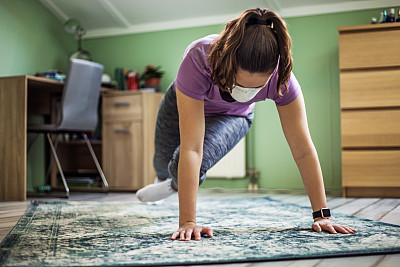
253, 42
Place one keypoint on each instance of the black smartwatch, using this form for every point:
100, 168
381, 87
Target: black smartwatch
322, 213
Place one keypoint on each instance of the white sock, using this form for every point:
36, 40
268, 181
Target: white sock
155, 192
156, 181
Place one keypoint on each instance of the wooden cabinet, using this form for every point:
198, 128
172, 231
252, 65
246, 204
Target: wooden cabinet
128, 138
369, 60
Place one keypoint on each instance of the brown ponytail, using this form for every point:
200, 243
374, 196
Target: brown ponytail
253, 42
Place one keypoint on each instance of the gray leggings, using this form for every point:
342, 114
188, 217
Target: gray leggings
222, 133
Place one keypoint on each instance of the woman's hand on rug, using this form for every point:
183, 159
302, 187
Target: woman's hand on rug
320, 225
188, 229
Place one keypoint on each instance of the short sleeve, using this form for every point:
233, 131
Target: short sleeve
191, 79
290, 95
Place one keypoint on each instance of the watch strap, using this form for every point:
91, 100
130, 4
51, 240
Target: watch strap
322, 213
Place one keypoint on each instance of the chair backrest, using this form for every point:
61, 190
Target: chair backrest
80, 97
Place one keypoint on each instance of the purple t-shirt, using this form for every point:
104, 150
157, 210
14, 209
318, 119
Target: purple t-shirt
194, 80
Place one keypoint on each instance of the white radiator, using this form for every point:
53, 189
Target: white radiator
233, 165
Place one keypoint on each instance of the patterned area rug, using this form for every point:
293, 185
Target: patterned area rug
134, 234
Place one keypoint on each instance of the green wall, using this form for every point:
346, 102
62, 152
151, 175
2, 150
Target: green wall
32, 39
315, 50
135, 51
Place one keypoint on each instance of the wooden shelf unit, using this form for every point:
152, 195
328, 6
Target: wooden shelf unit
369, 61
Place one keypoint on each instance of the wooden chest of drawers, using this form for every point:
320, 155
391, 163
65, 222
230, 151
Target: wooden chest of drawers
369, 60
128, 138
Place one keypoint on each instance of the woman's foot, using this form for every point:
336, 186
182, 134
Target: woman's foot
155, 192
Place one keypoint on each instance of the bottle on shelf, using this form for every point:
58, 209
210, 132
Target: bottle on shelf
381, 18
384, 16
391, 17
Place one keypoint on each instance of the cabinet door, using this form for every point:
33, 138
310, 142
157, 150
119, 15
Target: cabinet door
123, 148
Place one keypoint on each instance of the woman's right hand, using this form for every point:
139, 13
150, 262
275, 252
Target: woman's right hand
189, 229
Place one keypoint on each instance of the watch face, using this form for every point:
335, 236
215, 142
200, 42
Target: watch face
325, 213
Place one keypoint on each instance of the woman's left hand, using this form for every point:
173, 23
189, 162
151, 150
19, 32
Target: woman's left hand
320, 225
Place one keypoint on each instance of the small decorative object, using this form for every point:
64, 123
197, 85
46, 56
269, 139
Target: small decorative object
74, 26
152, 76
51, 74
133, 80
387, 18
391, 16
381, 18
384, 16
119, 77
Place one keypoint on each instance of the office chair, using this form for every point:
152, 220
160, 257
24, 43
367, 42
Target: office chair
78, 110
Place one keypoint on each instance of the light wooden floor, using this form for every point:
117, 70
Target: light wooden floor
384, 210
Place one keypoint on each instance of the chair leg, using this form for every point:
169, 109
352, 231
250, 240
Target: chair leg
48, 172
96, 162
58, 165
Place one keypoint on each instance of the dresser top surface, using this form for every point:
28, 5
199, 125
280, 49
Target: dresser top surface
370, 27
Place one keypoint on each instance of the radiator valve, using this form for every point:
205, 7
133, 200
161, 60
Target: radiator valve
253, 179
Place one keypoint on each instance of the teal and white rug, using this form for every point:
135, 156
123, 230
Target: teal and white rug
134, 234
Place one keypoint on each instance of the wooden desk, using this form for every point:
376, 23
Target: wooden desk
23, 95
18, 96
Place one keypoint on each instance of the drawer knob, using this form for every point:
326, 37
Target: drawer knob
125, 131
122, 103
